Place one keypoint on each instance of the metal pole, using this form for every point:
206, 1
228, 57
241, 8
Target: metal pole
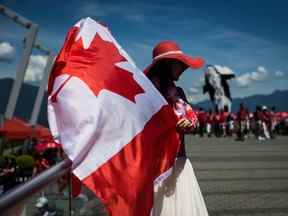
20, 72
21, 68
15, 17
41, 90
23, 192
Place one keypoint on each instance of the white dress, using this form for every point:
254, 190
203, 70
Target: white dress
179, 194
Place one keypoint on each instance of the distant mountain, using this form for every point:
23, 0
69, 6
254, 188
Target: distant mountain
28, 95
25, 101
278, 98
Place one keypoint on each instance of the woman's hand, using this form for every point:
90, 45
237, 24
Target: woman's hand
184, 125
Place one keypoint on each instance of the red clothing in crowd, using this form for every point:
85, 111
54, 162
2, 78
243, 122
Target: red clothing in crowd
266, 117
223, 117
242, 115
202, 117
210, 118
216, 118
273, 117
258, 115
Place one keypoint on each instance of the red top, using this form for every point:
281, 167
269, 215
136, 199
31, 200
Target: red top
258, 115
210, 118
223, 117
216, 118
202, 117
242, 115
265, 117
273, 116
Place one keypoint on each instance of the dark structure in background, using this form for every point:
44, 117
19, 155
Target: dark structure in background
217, 87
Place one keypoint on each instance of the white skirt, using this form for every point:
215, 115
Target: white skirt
179, 194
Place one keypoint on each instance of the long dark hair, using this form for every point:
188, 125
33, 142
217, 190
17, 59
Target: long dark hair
162, 70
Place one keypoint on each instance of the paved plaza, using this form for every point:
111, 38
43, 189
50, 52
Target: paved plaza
241, 178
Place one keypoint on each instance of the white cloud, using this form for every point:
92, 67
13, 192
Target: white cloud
279, 73
224, 70
193, 90
6, 51
247, 79
35, 68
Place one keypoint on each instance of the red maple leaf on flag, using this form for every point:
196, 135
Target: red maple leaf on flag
96, 66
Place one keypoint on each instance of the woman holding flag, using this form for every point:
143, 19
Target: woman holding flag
87, 102
177, 192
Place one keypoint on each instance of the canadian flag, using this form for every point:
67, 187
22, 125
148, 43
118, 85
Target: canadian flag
113, 124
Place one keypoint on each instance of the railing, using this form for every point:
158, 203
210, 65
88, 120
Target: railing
54, 186
11, 199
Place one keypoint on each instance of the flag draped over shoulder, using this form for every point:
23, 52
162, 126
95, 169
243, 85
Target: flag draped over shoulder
113, 124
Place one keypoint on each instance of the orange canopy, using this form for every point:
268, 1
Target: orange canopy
43, 133
16, 128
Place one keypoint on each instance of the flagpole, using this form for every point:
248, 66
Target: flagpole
41, 90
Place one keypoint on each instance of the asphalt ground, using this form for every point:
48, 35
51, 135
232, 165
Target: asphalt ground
241, 178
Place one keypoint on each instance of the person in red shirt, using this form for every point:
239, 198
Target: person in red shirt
216, 122
241, 117
223, 121
209, 123
246, 123
273, 122
265, 122
258, 123
202, 118
230, 124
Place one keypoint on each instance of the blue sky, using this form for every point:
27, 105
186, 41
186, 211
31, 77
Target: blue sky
249, 37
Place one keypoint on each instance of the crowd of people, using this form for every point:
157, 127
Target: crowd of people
263, 123
8, 174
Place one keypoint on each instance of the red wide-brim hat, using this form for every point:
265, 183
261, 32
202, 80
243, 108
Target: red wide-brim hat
171, 50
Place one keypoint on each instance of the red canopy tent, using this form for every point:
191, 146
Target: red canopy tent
281, 115
42, 133
15, 129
